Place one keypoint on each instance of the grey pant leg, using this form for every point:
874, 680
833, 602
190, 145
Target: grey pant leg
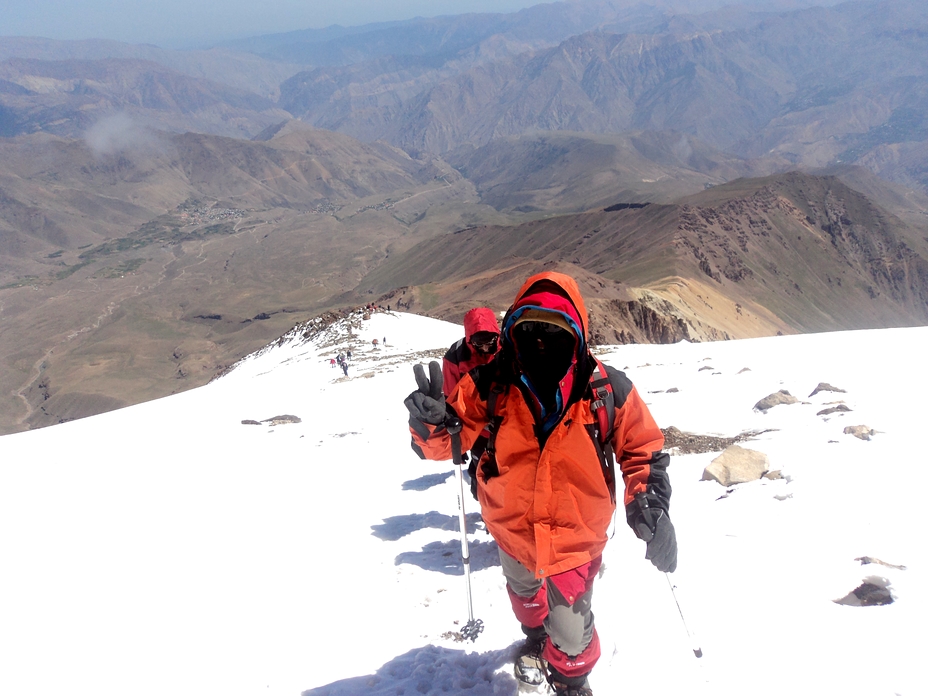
570, 627
521, 580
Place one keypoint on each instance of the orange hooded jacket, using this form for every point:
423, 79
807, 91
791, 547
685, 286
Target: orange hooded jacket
546, 501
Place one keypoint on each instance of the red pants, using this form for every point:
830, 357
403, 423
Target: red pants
562, 604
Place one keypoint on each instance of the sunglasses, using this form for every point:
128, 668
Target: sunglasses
538, 327
484, 342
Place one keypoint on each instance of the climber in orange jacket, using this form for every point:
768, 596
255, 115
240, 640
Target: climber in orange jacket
546, 482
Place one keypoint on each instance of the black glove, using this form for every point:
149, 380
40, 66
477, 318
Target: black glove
651, 522
427, 403
471, 472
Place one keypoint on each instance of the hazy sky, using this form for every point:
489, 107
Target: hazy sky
175, 23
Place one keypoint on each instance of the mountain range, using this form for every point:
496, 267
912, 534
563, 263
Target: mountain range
725, 174
810, 87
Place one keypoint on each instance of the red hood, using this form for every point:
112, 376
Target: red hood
479, 319
561, 284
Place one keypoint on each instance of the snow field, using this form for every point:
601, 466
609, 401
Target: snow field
168, 548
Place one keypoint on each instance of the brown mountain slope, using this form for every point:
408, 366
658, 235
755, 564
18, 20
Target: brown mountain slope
618, 313
818, 254
788, 253
562, 171
909, 205
59, 194
129, 276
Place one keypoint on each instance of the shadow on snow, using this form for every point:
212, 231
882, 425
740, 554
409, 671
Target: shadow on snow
431, 670
394, 528
423, 483
445, 556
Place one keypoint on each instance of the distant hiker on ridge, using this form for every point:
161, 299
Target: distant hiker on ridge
547, 478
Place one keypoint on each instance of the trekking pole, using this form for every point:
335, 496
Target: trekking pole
474, 627
697, 650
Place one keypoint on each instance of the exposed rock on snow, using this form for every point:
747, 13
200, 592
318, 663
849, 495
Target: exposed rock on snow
276, 420
865, 560
282, 420
873, 592
840, 408
691, 443
737, 465
775, 399
824, 386
860, 431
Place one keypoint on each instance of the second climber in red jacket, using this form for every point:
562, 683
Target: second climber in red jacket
479, 345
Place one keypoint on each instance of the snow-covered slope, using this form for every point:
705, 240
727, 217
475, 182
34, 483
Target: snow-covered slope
168, 548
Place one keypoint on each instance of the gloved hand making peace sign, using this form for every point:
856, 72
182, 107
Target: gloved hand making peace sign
427, 403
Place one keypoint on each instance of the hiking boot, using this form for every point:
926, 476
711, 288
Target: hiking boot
565, 690
529, 666
569, 686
